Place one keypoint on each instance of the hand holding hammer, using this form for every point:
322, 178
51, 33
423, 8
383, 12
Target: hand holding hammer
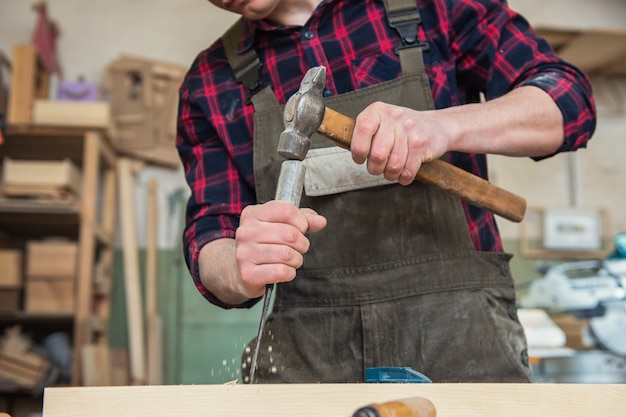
305, 113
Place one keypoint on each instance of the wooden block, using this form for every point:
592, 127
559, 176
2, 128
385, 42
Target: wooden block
51, 259
94, 114
9, 300
49, 296
35, 174
29, 80
10, 268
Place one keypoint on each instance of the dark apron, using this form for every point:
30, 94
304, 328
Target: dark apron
394, 279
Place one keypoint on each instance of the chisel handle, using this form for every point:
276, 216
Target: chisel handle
465, 185
409, 407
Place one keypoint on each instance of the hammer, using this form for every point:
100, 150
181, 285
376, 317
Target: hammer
305, 113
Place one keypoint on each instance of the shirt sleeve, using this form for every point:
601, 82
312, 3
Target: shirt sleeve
499, 51
219, 188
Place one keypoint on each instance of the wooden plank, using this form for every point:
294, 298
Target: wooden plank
119, 367
24, 60
335, 400
132, 281
151, 249
594, 50
62, 174
155, 350
618, 67
96, 369
155, 324
94, 114
86, 247
557, 37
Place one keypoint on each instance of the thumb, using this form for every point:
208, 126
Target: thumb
316, 221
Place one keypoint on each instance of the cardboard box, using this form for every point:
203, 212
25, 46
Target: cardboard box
44, 295
34, 175
10, 268
51, 259
9, 300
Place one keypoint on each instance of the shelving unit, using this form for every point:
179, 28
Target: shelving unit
90, 221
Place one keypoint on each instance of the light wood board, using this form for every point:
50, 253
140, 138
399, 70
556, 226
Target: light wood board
154, 328
132, 280
335, 400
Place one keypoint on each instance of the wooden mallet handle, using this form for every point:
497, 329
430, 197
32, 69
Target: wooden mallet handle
469, 187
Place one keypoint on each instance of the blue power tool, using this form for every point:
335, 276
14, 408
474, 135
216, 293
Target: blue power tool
395, 374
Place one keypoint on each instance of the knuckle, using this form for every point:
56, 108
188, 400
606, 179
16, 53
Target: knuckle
283, 273
378, 155
284, 255
394, 165
291, 236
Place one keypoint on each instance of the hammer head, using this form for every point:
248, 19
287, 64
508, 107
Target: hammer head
303, 115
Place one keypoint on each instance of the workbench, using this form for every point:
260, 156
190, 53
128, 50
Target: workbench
335, 400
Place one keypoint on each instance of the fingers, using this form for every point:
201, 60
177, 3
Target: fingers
395, 141
271, 241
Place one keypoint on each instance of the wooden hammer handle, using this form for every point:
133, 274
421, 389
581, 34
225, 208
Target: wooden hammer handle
469, 187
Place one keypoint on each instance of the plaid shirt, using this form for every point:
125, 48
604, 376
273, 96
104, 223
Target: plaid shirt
475, 46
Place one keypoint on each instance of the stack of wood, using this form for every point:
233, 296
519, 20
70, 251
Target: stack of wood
50, 180
21, 367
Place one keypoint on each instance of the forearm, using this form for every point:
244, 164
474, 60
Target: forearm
524, 122
219, 272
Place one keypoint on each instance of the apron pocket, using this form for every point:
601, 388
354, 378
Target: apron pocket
331, 171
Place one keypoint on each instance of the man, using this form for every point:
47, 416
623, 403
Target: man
404, 274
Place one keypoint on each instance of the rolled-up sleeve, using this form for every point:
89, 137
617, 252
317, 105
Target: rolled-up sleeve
498, 51
216, 170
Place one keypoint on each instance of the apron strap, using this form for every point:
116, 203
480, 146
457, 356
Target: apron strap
404, 17
247, 67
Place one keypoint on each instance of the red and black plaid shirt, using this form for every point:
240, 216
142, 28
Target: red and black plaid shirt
474, 46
